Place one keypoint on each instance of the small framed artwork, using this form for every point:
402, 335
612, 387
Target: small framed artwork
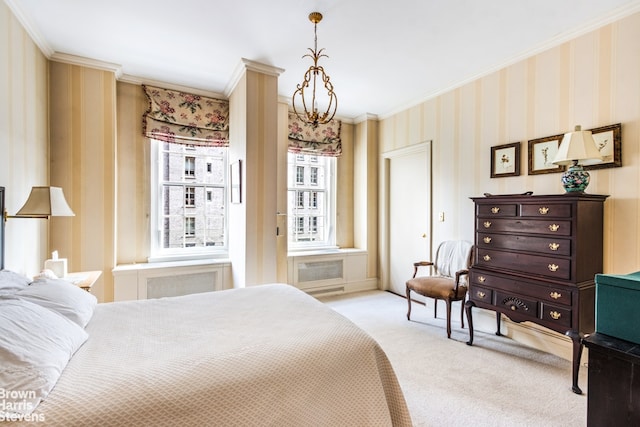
542, 152
609, 142
505, 160
235, 181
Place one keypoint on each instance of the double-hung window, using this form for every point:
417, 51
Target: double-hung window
311, 201
189, 194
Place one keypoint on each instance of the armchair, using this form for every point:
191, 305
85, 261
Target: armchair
448, 279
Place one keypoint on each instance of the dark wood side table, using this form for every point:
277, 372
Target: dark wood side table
613, 397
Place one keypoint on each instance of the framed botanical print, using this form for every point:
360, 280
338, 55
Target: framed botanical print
609, 142
542, 151
505, 160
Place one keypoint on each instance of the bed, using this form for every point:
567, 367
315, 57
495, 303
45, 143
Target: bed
267, 355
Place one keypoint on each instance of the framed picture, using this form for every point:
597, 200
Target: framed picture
235, 181
609, 142
542, 152
505, 160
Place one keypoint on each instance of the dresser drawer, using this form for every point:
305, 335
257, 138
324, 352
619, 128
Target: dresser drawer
498, 209
478, 293
544, 245
546, 210
512, 303
556, 295
556, 315
557, 268
502, 225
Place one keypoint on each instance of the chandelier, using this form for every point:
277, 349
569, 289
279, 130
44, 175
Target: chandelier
313, 78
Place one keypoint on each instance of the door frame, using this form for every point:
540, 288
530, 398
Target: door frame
384, 211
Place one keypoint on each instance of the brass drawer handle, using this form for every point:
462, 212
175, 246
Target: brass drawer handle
555, 315
487, 240
554, 227
486, 258
487, 224
495, 209
555, 295
481, 294
543, 210
554, 246
553, 267
481, 279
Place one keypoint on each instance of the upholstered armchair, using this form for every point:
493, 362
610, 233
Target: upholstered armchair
448, 278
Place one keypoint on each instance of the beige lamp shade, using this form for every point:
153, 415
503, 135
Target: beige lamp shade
44, 202
578, 146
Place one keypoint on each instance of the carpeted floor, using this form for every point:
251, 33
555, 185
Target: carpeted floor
495, 382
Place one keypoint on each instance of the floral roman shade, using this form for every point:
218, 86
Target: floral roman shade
321, 140
184, 118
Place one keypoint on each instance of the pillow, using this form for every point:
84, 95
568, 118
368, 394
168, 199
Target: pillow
35, 347
11, 282
63, 297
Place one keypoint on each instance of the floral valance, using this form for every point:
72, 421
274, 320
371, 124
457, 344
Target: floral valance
184, 118
320, 140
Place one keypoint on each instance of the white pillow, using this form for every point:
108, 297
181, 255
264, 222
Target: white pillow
35, 346
63, 297
11, 282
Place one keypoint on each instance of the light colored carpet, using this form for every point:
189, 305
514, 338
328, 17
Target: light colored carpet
495, 382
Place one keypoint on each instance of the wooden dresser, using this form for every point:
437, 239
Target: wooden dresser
535, 260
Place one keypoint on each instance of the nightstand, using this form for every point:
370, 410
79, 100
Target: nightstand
83, 279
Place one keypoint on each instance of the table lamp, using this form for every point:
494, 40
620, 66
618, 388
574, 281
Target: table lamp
577, 149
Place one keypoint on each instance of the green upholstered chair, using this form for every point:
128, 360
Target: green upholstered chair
448, 278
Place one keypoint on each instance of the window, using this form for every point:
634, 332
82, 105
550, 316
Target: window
189, 227
182, 224
209, 167
190, 197
299, 174
189, 166
311, 206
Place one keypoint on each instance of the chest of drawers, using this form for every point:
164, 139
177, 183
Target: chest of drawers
536, 259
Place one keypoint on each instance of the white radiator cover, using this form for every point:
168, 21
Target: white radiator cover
330, 273
157, 280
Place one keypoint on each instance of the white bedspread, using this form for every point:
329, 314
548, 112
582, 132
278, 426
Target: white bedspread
267, 355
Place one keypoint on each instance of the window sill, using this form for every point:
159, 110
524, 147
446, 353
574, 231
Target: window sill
325, 251
171, 264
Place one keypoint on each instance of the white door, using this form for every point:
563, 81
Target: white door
409, 213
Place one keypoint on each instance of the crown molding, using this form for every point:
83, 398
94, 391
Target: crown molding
28, 26
249, 65
127, 78
87, 62
596, 23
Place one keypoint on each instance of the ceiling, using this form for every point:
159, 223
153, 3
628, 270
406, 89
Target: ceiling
383, 56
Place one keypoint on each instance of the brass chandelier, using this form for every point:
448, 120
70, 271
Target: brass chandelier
312, 78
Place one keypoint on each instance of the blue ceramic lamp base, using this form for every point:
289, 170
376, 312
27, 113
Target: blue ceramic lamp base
575, 179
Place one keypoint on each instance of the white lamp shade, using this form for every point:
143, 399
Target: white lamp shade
580, 146
45, 202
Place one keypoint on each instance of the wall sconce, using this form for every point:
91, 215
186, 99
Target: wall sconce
43, 202
577, 148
